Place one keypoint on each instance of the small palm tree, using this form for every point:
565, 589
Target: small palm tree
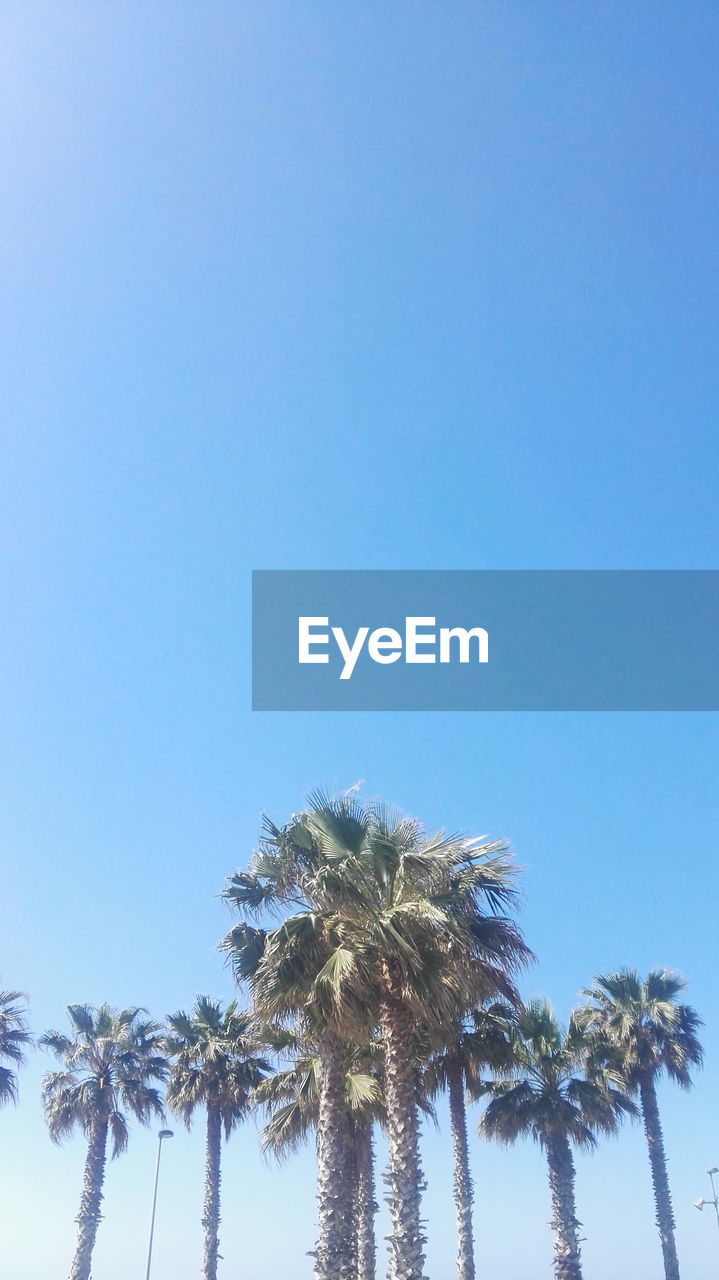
546, 1097
14, 1037
643, 1031
476, 1042
111, 1063
292, 1098
216, 1066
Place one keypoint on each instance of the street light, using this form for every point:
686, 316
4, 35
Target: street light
699, 1204
164, 1133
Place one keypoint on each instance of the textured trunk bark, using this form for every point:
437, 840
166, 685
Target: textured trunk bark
462, 1175
89, 1216
567, 1260
335, 1258
404, 1176
211, 1214
365, 1204
660, 1181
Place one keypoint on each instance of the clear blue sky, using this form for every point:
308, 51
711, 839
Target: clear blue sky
315, 285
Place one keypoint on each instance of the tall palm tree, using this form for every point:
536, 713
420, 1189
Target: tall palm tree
429, 927
14, 1038
398, 927
476, 1042
111, 1063
546, 1097
216, 1066
642, 1030
293, 973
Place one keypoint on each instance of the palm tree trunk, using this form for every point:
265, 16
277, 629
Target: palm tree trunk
335, 1258
211, 1214
88, 1218
404, 1176
462, 1175
567, 1262
658, 1162
365, 1205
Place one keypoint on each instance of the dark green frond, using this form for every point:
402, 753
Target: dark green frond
286, 1130
118, 1134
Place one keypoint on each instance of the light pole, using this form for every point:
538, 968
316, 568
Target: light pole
699, 1204
164, 1133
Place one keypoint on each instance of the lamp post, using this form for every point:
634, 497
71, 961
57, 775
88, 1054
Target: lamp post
164, 1133
699, 1204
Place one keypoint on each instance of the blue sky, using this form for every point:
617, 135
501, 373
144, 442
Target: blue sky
342, 286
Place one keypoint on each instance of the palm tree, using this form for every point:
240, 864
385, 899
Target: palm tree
546, 1097
14, 1037
216, 1066
292, 1098
110, 1064
293, 973
397, 927
430, 928
643, 1031
478, 1041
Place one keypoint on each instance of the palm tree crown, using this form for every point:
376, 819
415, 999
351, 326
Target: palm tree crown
478, 1044
642, 1021
14, 1038
112, 1061
372, 888
216, 1062
545, 1092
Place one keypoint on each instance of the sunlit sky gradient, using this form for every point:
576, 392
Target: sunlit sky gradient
315, 285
